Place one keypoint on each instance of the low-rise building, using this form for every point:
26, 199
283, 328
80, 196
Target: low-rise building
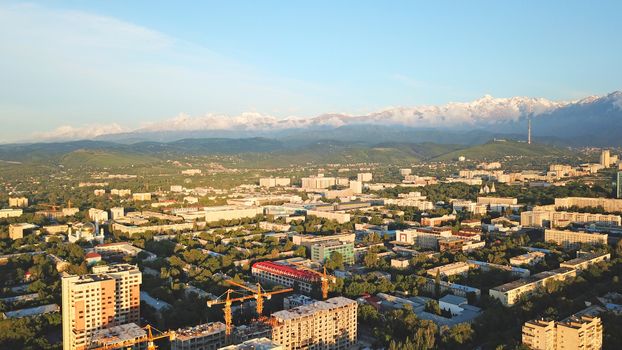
340, 217
510, 293
530, 258
457, 268
17, 231
10, 213
486, 266
400, 263
430, 286
584, 260
280, 274
437, 221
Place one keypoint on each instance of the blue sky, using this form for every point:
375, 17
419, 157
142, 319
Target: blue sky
122, 64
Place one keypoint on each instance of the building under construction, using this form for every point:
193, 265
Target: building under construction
206, 336
329, 324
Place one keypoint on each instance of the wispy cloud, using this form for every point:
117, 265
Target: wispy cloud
72, 66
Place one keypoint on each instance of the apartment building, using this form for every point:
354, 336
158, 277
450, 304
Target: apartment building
309, 240
324, 250
117, 213
608, 204
120, 192
108, 297
280, 274
563, 218
425, 237
510, 293
584, 332
10, 213
227, 212
364, 177
469, 206
410, 202
573, 239
329, 324
356, 187
318, 182
497, 200
269, 182
141, 196
98, 215
18, 202
206, 336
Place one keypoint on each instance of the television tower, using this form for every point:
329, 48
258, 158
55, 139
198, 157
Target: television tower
529, 130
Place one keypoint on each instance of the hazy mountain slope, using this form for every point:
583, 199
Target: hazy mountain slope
104, 159
496, 150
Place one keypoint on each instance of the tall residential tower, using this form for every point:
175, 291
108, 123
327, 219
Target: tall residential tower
108, 297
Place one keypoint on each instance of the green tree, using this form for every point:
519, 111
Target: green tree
334, 262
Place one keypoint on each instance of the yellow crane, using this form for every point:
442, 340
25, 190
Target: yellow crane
258, 294
227, 309
325, 278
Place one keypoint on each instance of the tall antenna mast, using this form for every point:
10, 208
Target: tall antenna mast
529, 130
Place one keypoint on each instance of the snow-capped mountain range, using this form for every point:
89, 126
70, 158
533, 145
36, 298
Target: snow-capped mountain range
485, 110
505, 115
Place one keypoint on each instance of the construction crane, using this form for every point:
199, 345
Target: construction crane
227, 309
325, 278
149, 337
259, 294
228, 301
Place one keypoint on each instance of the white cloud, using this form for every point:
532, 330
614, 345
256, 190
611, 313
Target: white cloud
68, 132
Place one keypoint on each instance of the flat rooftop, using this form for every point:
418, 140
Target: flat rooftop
531, 279
307, 310
118, 334
201, 330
